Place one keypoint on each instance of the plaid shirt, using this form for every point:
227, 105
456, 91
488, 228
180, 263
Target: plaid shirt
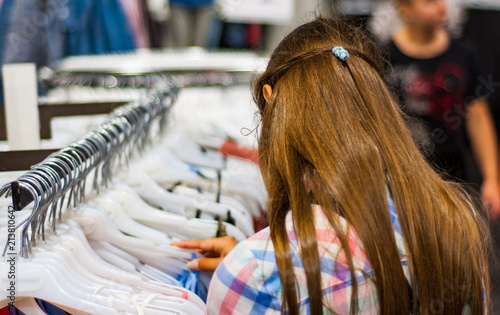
248, 281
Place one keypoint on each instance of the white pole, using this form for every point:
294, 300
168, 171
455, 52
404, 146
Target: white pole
21, 106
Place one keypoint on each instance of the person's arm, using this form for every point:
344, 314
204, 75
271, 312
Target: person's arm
481, 132
214, 249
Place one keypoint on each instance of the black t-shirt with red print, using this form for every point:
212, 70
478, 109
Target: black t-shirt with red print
435, 92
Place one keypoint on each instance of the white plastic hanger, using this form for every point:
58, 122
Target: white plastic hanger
203, 135
173, 224
74, 239
54, 273
44, 281
224, 199
123, 222
188, 151
126, 275
122, 258
62, 254
82, 259
97, 227
114, 254
149, 190
76, 275
165, 169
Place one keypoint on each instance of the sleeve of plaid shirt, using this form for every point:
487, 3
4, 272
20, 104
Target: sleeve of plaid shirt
238, 285
248, 282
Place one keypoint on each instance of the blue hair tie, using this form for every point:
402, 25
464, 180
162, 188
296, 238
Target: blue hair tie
340, 52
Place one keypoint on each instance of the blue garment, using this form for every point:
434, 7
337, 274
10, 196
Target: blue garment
30, 32
34, 32
96, 27
190, 279
5, 14
234, 35
192, 3
214, 33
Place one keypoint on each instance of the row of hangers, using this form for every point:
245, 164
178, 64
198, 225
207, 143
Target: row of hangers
93, 87
110, 252
140, 80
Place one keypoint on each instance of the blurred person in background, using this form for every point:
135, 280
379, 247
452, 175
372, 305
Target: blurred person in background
189, 22
438, 81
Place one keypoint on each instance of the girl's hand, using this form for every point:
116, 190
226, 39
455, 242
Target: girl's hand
214, 249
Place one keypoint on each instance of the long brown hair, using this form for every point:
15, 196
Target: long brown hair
326, 132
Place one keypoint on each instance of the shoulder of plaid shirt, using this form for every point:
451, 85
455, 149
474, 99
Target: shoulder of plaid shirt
247, 281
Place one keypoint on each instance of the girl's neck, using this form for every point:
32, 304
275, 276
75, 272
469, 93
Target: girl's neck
421, 43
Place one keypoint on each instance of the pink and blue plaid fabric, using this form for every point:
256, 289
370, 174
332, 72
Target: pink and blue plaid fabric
248, 282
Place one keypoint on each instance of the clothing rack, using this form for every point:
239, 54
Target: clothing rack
48, 111
65, 171
124, 132
21, 160
184, 66
145, 80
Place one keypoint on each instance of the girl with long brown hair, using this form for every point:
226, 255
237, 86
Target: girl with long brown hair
359, 223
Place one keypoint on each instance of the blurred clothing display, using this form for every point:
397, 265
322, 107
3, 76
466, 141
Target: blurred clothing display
32, 32
135, 14
236, 35
5, 14
96, 27
45, 31
189, 23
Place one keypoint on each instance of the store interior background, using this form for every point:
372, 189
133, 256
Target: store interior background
477, 22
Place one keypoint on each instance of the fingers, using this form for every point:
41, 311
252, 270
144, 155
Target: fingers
215, 248
204, 245
204, 264
218, 244
190, 244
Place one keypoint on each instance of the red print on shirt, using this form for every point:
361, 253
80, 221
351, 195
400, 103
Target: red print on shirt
439, 95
